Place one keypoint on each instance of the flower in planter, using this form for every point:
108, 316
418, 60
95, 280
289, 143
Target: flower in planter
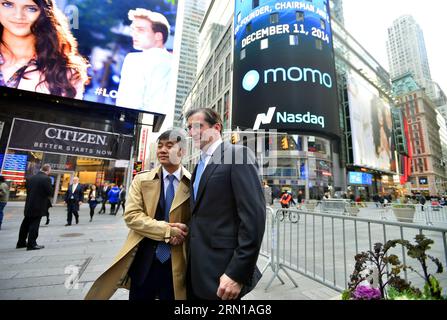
388, 268
366, 292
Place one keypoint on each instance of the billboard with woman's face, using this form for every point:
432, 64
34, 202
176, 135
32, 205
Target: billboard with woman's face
371, 125
111, 52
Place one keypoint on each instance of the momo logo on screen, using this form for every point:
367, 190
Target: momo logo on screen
294, 74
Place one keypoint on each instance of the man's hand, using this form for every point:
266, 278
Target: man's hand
179, 231
228, 289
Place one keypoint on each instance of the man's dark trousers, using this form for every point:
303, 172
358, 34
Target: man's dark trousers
71, 207
29, 229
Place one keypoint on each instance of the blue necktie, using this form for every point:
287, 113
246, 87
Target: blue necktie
163, 251
199, 172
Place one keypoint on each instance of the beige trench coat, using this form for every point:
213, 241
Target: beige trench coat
141, 205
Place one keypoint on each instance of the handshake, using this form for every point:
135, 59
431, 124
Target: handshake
179, 231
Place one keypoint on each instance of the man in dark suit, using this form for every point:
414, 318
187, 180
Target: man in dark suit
38, 191
104, 191
228, 214
73, 199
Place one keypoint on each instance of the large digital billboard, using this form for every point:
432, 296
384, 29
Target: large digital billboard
284, 73
112, 52
360, 178
371, 125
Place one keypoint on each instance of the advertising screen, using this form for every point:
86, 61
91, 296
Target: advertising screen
371, 125
360, 178
112, 52
284, 73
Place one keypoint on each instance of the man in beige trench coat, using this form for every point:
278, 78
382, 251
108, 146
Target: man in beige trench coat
138, 266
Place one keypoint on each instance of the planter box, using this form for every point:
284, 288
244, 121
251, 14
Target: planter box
404, 214
352, 211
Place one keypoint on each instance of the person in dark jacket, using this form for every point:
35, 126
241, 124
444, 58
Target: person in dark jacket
122, 199
422, 201
93, 197
38, 191
73, 199
4, 197
49, 205
104, 191
227, 225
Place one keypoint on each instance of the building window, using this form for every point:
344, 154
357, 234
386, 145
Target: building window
264, 44
239, 17
274, 18
294, 40
214, 85
221, 75
227, 68
243, 54
255, 3
319, 44
322, 24
249, 28
299, 16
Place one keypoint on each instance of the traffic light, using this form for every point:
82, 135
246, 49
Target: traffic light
235, 138
285, 143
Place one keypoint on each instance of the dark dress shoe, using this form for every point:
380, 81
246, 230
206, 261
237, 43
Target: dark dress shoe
68, 224
36, 247
77, 220
48, 221
20, 246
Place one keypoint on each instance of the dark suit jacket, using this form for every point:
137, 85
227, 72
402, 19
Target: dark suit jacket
227, 223
38, 190
78, 196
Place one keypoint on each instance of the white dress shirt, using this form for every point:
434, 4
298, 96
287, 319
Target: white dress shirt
176, 174
206, 156
145, 80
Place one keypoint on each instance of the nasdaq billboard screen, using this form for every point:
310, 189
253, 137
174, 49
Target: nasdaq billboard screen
284, 72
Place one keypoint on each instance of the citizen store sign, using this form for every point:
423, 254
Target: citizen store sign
52, 138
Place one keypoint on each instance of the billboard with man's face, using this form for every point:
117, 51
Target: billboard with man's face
123, 48
284, 72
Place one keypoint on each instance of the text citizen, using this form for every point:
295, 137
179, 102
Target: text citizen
75, 136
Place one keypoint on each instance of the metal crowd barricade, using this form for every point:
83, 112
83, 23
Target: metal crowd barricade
322, 246
273, 262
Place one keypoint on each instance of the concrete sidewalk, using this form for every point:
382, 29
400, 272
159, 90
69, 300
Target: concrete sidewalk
85, 250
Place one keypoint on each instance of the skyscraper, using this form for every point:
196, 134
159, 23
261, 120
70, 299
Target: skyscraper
337, 10
407, 52
194, 11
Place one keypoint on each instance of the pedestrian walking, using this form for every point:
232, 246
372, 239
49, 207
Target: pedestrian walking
73, 199
104, 197
93, 198
38, 191
49, 205
4, 197
121, 199
113, 197
422, 201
